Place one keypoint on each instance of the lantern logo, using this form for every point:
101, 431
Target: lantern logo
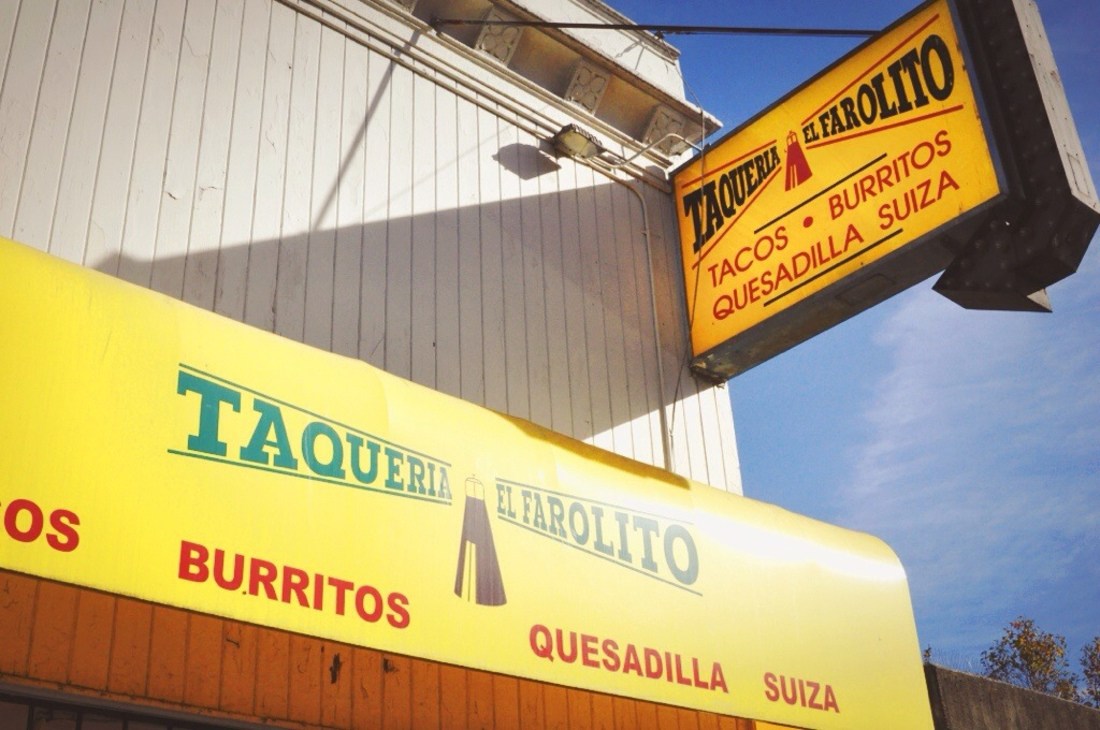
478, 576
798, 169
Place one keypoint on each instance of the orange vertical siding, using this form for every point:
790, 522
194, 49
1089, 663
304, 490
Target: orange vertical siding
128, 673
91, 642
168, 655
17, 599
506, 711
366, 693
88, 643
51, 634
452, 705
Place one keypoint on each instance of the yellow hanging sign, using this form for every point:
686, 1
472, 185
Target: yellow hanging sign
155, 450
821, 191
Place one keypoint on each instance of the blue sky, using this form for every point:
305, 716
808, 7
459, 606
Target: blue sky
969, 441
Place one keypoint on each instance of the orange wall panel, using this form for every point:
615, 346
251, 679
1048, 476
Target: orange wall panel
51, 637
17, 599
556, 707
129, 670
366, 690
397, 692
506, 701
168, 654
91, 641
114, 647
626, 713
202, 681
305, 680
479, 700
603, 712
274, 659
647, 716
452, 698
238, 668
425, 693
532, 706
580, 708
336, 686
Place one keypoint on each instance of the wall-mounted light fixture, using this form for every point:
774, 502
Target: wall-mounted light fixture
572, 141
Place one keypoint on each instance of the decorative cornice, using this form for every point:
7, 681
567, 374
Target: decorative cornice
663, 122
587, 86
498, 42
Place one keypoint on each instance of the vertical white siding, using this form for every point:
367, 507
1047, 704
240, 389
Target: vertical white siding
19, 101
270, 163
50, 128
349, 197
179, 188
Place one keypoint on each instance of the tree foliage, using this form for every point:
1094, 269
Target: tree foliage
1027, 656
1090, 665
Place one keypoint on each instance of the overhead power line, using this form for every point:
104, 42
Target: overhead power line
663, 29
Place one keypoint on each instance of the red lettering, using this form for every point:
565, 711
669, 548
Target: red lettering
792, 690
193, 559
718, 678
588, 650
696, 679
342, 587
295, 581
771, 691
399, 606
262, 573
812, 701
632, 662
233, 582
194, 566
680, 678
943, 143
605, 654
611, 661
63, 522
318, 591
836, 206
571, 656
25, 521
11, 520
361, 606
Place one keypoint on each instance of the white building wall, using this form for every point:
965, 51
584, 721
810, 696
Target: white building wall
351, 182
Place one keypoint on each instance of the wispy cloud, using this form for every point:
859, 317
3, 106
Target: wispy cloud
983, 470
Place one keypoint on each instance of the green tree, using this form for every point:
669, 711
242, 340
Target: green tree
1090, 664
1027, 656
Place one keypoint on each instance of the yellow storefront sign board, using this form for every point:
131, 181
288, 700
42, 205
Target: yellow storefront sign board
871, 156
155, 450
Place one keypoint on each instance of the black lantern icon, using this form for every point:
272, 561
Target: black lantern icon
478, 576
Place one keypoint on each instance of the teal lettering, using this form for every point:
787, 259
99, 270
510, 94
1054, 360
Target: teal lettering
649, 529
444, 486
688, 574
371, 474
557, 516
334, 468
540, 517
393, 465
270, 431
624, 550
416, 475
600, 546
211, 396
579, 531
